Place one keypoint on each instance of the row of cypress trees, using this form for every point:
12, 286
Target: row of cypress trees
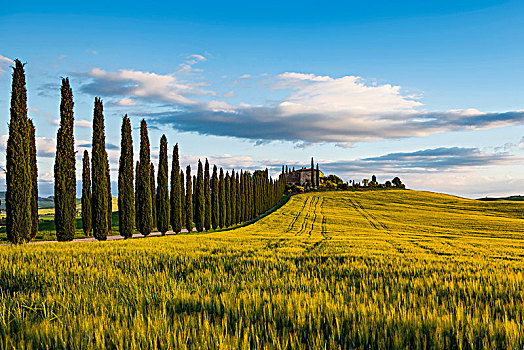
203, 201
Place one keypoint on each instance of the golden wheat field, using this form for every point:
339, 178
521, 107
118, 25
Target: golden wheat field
382, 269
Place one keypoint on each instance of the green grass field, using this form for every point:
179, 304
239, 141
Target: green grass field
383, 269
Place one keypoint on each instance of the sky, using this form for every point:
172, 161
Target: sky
432, 92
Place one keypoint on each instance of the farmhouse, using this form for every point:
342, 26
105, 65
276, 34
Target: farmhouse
301, 176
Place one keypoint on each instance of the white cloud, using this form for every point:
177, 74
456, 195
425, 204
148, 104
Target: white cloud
187, 67
79, 123
4, 62
82, 123
143, 85
314, 109
349, 95
197, 57
245, 76
323, 109
128, 102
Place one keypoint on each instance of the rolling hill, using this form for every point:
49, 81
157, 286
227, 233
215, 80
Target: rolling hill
381, 269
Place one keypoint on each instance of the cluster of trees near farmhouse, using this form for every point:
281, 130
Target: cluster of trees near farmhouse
205, 201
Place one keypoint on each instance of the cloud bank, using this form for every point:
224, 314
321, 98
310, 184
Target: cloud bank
423, 161
314, 109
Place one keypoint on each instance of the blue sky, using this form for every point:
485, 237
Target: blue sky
430, 91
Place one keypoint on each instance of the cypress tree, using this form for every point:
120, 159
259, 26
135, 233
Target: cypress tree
227, 190
312, 173
189, 200
222, 200
109, 200
252, 199
137, 201
162, 196
194, 191
18, 164
207, 194
34, 181
242, 196
176, 203
233, 197
145, 207
200, 199
245, 215
99, 175
126, 195
64, 170
182, 179
86, 194
239, 199
153, 196
318, 176
215, 207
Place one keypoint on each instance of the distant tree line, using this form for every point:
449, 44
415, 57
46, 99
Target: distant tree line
204, 201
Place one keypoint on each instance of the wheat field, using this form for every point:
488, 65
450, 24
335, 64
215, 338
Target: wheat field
380, 269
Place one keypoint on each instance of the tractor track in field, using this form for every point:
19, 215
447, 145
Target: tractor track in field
292, 223
370, 218
314, 217
323, 231
304, 225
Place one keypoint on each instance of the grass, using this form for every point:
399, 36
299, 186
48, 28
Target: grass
385, 269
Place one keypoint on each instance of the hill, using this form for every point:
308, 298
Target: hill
43, 202
509, 198
378, 269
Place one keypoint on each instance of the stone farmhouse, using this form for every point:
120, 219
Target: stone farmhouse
301, 176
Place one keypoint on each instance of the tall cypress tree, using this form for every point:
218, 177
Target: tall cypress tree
162, 195
239, 199
86, 194
176, 200
145, 207
126, 195
312, 173
242, 196
222, 200
65, 170
215, 207
200, 199
189, 200
99, 174
318, 176
153, 195
34, 181
18, 164
227, 191
252, 206
233, 197
137, 201
182, 198
207, 194
109, 200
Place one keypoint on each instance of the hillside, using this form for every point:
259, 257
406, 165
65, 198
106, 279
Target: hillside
509, 198
379, 269
43, 202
